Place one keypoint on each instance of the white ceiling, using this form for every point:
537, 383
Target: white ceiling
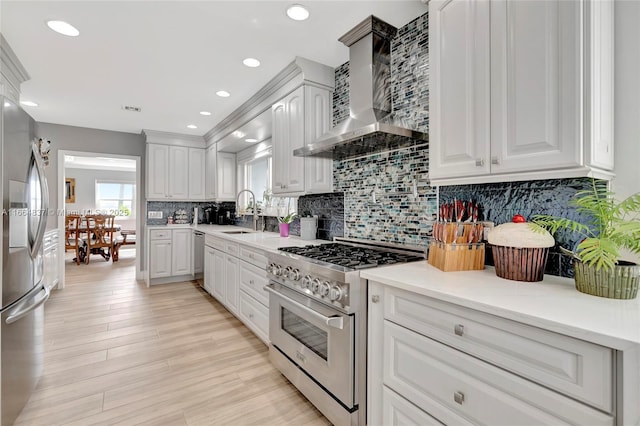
99, 163
170, 57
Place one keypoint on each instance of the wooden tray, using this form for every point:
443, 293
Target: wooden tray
456, 257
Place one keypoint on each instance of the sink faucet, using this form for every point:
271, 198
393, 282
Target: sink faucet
255, 207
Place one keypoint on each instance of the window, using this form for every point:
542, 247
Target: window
117, 198
254, 173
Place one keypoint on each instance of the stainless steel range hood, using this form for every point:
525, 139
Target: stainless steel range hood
371, 126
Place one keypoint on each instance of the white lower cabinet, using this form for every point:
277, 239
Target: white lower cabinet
169, 256
236, 275
431, 361
51, 259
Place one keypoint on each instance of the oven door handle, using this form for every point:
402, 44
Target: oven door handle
332, 321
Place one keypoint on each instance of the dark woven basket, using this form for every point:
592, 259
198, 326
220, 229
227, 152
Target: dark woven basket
520, 264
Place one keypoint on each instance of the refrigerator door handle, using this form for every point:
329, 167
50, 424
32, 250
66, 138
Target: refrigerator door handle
42, 224
21, 311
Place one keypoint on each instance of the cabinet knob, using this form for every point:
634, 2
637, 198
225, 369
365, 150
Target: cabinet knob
495, 160
375, 298
251, 282
479, 162
458, 397
458, 329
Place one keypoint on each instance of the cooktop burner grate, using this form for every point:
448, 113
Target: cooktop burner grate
351, 256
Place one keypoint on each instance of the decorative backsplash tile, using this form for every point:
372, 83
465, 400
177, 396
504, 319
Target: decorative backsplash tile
341, 94
168, 208
380, 203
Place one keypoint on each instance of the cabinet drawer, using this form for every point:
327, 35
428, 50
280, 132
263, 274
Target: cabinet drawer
231, 248
160, 234
574, 367
426, 372
255, 316
211, 241
252, 281
253, 256
398, 411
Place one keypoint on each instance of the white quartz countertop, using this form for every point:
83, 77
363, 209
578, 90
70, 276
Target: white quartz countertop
269, 241
553, 304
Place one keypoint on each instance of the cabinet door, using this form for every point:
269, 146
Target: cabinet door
459, 48
178, 172
210, 172
218, 275
226, 176
159, 258
231, 273
209, 269
317, 113
196, 174
55, 265
535, 85
287, 135
181, 258
157, 171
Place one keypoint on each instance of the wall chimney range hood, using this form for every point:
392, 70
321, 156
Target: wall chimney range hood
371, 126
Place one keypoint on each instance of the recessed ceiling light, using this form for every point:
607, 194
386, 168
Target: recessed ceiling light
205, 113
251, 62
192, 126
238, 134
7, 104
63, 28
297, 12
251, 140
29, 103
223, 93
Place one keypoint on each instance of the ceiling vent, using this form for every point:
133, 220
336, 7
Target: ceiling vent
131, 108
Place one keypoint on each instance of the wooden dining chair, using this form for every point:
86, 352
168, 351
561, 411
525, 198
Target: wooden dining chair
72, 238
100, 239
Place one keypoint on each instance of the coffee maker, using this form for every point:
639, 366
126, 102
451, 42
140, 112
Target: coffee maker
211, 214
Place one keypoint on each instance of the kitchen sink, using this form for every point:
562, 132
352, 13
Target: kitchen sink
237, 232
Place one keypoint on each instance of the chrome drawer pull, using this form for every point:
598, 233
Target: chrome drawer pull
375, 298
479, 162
458, 397
458, 329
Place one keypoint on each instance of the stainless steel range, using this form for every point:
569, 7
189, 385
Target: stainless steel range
317, 320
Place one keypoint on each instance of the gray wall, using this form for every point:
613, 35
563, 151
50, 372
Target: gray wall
70, 138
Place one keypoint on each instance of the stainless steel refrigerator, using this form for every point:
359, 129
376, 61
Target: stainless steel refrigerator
25, 205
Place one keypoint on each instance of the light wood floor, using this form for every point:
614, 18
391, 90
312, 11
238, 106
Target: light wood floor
117, 352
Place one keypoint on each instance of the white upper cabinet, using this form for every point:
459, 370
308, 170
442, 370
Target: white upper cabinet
196, 174
520, 90
178, 173
210, 173
226, 176
288, 134
298, 119
175, 167
157, 171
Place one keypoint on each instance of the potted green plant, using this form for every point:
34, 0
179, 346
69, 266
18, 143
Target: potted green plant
284, 222
610, 226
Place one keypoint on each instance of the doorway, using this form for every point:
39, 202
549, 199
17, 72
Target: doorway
90, 182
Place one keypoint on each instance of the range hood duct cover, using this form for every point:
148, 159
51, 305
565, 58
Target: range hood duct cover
371, 126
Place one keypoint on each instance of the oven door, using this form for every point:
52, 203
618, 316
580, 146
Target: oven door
316, 337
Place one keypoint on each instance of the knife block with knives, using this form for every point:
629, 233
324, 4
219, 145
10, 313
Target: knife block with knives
456, 245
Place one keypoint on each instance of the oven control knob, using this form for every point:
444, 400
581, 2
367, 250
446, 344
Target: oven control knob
335, 293
294, 274
287, 272
306, 281
275, 269
324, 288
315, 286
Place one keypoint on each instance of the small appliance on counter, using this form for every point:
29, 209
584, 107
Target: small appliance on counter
308, 227
211, 214
181, 217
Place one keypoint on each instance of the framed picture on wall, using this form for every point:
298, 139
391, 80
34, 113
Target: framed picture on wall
69, 190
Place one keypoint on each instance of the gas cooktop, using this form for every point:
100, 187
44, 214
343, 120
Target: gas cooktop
350, 256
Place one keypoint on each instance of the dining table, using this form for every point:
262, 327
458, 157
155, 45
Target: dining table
83, 244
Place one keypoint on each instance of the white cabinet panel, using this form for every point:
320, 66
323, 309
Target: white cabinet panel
196, 174
218, 274
160, 258
178, 172
397, 411
231, 274
208, 269
287, 135
255, 316
226, 176
252, 281
157, 171
318, 171
210, 172
181, 252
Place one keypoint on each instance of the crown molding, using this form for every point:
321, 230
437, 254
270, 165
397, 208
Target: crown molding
176, 139
13, 73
